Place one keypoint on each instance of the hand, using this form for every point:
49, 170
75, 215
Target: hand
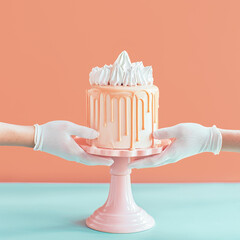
189, 139
56, 138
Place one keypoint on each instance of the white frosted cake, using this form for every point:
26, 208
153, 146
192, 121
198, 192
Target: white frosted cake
122, 105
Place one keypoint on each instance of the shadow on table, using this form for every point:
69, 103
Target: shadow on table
81, 225
35, 227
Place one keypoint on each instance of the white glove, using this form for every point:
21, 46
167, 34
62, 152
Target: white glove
56, 138
190, 139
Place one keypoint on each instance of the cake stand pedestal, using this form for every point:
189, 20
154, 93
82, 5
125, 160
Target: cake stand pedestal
120, 213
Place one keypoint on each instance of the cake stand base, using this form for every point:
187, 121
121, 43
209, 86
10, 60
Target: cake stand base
120, 213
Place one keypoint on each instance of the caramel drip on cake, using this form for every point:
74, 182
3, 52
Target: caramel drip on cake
137, 139
94, 112
148, 95
132, 121
126, 117
101, 94
111, 101
143, 126
105, 111
119, 119
99, 109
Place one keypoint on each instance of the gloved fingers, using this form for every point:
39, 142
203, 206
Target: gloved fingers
155, 161
91, 160
165, 142
79, 155
146, 162
165, 133
159, 159
82, 132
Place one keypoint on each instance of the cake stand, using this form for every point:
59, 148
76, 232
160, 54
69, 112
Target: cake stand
120, 213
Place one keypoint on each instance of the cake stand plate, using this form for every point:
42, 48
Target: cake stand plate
120, 213
139, 152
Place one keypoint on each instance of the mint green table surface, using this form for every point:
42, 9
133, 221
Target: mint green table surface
48, 211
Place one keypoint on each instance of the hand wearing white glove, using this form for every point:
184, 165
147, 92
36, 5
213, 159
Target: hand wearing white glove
56, 138
189, 139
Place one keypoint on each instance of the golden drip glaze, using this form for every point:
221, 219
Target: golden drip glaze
137, 138
96, 93
94, 112
143, 124
126, 119
111, 101
119, 119
132, 121
105, 111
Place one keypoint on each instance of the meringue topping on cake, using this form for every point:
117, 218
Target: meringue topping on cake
122, 72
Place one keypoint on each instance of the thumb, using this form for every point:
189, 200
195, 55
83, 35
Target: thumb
164, 133
82, 132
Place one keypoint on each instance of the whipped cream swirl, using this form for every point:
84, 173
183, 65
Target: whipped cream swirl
122, 72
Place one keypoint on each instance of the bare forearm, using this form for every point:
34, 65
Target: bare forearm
16, 135
230, 140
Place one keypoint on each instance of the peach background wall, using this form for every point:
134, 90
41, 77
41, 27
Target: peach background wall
47, 49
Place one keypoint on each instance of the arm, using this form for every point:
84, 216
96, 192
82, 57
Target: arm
189, 139
230, 140
54, 138
16, 135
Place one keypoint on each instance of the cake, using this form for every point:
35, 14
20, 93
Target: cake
122, 105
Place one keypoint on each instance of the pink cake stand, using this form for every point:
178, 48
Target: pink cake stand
120, 213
